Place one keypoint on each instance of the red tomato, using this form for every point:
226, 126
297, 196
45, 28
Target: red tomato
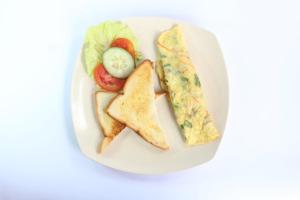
124, 44
106, 81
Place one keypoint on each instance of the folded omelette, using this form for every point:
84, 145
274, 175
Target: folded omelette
178, 76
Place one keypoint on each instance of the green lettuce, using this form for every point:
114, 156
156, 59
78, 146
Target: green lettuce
98, 39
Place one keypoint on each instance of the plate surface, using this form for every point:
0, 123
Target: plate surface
129, 152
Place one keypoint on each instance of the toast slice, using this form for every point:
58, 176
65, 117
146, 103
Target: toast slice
109, 126
136, 107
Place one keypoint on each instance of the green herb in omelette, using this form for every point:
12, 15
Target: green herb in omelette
184, 79
175, 106
162, 56
188, 124
197, 81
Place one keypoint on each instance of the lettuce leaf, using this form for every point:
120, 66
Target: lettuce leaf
98, 39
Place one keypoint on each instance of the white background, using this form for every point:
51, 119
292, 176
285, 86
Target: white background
259, 157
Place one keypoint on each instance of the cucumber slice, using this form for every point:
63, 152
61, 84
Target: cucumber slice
118, 62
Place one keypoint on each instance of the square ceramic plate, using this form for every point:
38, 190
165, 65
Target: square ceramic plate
129, 152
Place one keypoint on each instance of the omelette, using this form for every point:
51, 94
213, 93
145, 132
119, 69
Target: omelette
178, 76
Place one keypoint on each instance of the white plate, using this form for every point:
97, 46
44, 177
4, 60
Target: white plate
129, 152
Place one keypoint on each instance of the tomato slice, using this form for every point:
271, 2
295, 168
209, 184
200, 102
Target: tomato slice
106, 81
124, 44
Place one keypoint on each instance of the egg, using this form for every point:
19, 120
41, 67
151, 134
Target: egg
184, 88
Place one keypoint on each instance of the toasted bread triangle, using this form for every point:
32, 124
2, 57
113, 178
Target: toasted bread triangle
136, 107
109, 126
